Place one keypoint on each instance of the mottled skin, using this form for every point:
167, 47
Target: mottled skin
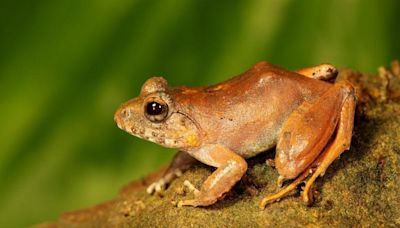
308, 119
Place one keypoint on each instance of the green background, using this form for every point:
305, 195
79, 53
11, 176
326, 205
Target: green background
66, 65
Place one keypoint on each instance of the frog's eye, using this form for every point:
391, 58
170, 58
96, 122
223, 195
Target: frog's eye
156, 110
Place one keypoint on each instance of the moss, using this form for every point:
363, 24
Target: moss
359, 189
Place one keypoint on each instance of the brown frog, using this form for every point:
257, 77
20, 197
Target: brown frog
307, 117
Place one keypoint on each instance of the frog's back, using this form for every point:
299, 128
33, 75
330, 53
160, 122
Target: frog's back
246, 112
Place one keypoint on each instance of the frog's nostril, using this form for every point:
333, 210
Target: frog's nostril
126, 113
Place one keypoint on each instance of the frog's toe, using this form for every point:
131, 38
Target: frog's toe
157, 187
309, 191
187, 203
280, 181
283, 192
308, 196
151, 188
201, 201
191, 187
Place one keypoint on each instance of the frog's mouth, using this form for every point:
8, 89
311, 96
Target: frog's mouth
178, 131
120, 126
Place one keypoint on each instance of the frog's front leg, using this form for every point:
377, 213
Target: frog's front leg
181, 162
230, 169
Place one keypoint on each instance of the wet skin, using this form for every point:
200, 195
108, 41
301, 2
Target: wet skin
307, 117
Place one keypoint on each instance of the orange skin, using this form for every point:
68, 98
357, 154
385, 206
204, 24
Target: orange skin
308, 119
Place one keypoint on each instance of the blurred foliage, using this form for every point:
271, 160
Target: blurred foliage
65, 66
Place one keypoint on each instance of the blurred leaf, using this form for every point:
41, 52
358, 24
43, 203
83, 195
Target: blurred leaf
66, 65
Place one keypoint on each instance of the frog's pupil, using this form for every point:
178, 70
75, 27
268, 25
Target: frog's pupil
154, 108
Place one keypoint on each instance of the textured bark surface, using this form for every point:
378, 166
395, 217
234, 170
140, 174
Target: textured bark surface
360, 188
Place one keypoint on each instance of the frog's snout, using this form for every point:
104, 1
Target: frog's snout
121, 115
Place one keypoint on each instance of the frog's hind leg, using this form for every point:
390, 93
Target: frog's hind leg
340, 143
302, 145
324, 72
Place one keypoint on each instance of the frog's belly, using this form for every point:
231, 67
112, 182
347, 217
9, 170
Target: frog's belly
254, 149
251, 140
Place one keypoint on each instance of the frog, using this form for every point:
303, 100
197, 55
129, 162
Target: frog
304, 114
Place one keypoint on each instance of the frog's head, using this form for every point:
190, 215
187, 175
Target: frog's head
154, 116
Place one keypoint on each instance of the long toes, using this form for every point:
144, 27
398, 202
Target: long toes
202, 201
187, 203
308, 200
280, 181
308, 195
150, 190
191, 187
267, 200
178, 173
156, 187
283, 192
160, 187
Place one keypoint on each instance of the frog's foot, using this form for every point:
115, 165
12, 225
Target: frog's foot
159, 186
199, 200
196, 202
324, 72
280, 194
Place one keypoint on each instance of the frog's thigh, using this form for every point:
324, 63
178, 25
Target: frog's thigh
230, 169
324, 72
340, 143
307, 131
